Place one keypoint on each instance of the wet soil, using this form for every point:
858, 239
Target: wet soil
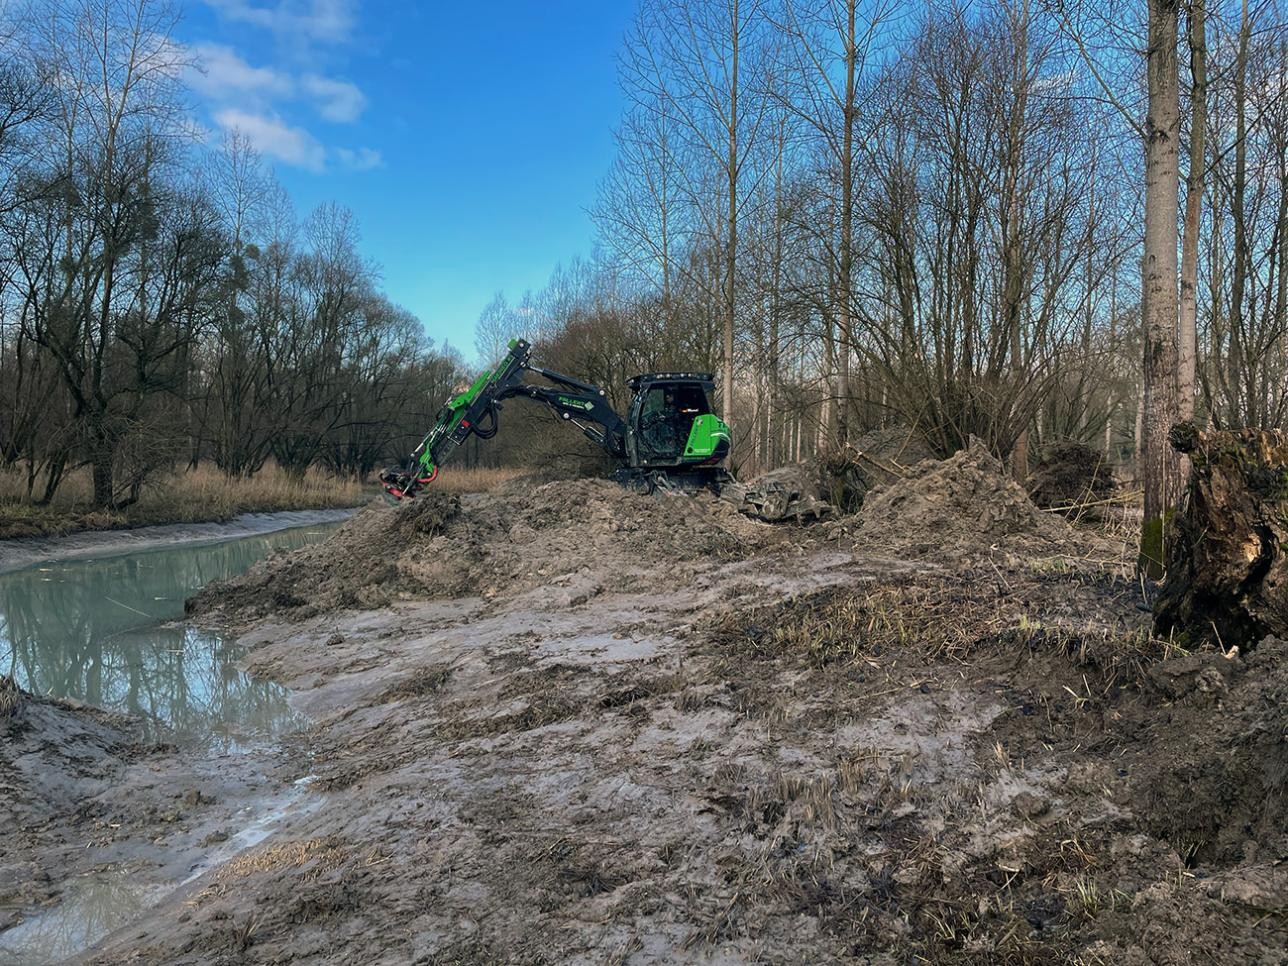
568, 724
97, 817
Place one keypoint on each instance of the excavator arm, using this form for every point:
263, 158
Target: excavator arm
475, 412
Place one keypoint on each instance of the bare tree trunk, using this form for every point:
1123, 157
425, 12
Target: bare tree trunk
1241, 380
731, 250
846, 267
1012, 292
1159, 467
1187, 334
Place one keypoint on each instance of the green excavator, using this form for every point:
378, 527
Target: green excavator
671, 440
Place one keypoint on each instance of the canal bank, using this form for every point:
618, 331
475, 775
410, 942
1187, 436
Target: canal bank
135, 752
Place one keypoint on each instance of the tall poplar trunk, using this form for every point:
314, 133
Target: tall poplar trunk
1012, 288
1187, 334
1241, 380
846, 267
731, 252
1159, 468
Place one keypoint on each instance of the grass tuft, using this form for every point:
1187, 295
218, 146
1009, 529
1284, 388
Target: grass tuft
10, 696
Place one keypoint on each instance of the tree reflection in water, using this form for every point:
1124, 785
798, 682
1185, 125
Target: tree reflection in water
91, 630
91, 907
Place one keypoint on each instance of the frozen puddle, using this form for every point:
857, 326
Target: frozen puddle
94, 906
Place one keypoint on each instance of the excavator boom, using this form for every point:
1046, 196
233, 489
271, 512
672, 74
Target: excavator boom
473, 412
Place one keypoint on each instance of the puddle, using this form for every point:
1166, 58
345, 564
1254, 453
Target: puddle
91, 907
98, 631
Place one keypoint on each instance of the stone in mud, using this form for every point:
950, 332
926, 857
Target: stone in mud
1028, 805
1193, 672
1227, 571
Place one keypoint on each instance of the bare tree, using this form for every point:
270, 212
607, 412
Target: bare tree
1160, 470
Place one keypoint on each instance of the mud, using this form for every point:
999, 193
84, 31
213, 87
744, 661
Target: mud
604, 728
99, 823
512, 539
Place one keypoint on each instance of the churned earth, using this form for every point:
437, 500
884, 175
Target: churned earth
565, 723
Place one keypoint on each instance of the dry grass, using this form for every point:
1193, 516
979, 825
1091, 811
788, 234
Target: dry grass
199, 496
203, 495
477, 480
958, 617
318, 854
419, 683
10, 696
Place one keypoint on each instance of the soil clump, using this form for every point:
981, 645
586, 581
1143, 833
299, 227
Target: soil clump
1070, 477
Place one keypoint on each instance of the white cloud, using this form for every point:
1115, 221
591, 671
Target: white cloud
323, 20
220, 74
363, 159
336, 100
267, 103
274, 138
223, 77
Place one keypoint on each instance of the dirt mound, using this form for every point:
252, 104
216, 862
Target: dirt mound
890, 450
966, 501
513, 538
880, 457
841, 477
1070, 475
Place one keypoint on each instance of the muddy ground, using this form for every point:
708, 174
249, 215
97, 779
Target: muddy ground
569, 724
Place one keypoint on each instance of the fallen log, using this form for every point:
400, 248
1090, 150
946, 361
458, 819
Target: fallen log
1227, 572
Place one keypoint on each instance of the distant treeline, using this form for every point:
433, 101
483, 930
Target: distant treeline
866, 212
162, 303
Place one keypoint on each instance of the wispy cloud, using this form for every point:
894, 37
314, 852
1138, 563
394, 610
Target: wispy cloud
219, 73
328, 21
272, 104
363, 159
336, 100
274, 138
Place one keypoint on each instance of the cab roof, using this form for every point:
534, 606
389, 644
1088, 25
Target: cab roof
646, 379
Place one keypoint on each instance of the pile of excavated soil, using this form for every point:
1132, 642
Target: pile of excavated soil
509, 540
841, 477
1070, 475
963, 503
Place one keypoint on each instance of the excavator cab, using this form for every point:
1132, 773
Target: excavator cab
671, 424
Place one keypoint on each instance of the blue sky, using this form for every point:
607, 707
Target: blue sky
468, 137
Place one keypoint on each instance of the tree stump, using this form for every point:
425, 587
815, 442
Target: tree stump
1227, 573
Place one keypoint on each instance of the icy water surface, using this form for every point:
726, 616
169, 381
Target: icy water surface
99, 631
